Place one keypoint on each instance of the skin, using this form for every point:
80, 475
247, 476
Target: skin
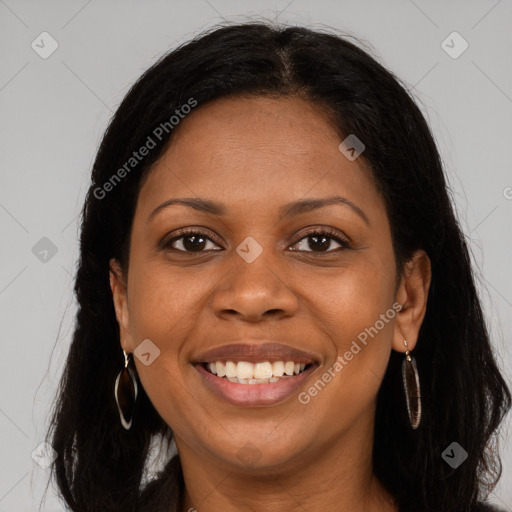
254, 155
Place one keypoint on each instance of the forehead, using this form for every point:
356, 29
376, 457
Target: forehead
283, 124
249, 150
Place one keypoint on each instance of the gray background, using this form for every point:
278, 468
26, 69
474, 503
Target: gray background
55, 110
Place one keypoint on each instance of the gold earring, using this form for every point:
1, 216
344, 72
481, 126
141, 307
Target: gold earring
411, 382
125, 393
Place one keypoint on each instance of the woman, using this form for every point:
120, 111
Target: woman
272, 276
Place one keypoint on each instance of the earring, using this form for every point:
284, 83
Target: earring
125, 392
411, 382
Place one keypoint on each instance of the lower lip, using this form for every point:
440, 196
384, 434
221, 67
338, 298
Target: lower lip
254, 395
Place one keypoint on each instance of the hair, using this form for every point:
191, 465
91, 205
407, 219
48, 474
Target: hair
464, 396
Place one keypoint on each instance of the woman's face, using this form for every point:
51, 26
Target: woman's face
257, 286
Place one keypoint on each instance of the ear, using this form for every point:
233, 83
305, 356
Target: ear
412, 294
118, 287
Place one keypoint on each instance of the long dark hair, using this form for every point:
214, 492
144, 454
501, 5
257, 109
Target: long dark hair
101, 467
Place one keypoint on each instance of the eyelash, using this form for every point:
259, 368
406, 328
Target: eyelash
315, 232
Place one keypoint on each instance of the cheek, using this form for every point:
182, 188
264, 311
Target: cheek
168, 391
346, 388
351, 299
357, 314
165, 302
166, 306
164, 310
366, 343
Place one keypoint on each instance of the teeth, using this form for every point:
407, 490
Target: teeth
221, 369
289, 367
263, 372
230, 369
256, 381
244, 370
278, 369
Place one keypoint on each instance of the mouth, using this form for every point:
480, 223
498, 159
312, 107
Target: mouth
255, 375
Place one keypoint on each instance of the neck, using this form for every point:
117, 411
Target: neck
338, 478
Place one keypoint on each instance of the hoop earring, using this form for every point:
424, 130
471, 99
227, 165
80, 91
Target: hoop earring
125, 393
411, 382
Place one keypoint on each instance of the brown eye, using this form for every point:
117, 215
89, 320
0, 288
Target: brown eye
191, 241
321, 241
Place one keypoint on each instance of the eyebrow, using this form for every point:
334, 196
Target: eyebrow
287, 210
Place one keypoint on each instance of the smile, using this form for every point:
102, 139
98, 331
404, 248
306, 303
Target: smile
251, 391
255, 374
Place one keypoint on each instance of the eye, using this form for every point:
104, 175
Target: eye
194, 241
320, 241
190, 241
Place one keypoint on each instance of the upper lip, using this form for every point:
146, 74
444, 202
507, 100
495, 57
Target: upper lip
255, 352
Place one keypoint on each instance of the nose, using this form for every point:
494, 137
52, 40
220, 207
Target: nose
254, 292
